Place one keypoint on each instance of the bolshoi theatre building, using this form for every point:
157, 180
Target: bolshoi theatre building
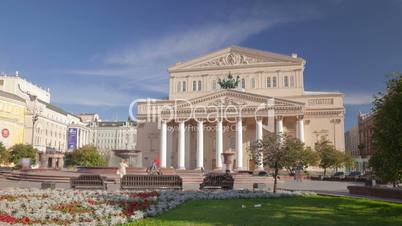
201, 120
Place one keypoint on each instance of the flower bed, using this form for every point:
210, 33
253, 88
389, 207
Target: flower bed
71, 207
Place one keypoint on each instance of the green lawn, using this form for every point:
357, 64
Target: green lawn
298, 211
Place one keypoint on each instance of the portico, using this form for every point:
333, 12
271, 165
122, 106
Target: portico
223, 116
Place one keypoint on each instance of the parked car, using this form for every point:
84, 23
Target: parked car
263, 174
367, 176
338, 175
354, 175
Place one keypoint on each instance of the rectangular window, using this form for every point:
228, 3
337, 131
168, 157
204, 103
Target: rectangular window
214, 84
292, 81
269, 82
274, 82
243, 83
286, 81
184, 86
194, 86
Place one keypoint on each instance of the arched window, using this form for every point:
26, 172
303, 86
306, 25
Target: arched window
268, 82
199, 86
274, 82
286, 81
178, 87
194, 85
243, 83
253, 83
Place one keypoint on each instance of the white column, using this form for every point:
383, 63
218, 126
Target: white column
200, 145
79, 138
85, 137
169, 149
300, 128
239, 144
219, 144
163, 144
279, 125
188, 148
181, 151
82, 137
259, 136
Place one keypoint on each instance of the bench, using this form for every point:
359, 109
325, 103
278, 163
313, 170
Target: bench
217, 181
151, 182
88, 181
48, 185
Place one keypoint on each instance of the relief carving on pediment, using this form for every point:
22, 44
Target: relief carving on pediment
231, 59
227, 101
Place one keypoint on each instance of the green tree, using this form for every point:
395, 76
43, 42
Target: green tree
387, 134
282, 151
20, 151
330, 157
298, 156
87, 156
4, 154
229, 82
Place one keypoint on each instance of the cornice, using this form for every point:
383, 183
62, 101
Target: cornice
233, 67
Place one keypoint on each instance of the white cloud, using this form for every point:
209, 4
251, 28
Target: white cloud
151, 57
358, 98
188, 43
90, 95
142, 66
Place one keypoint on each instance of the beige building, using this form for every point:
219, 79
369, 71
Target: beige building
12, 115
352, 146
106, 136
44, 124
200, 120
359, 141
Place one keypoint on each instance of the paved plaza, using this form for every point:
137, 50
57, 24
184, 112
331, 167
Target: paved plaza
306, 185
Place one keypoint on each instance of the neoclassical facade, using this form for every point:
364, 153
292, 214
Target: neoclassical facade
200, 120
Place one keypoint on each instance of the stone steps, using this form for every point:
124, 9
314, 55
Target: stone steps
188, 176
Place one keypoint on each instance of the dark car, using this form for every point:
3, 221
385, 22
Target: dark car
354, 175
338, 175
262, 174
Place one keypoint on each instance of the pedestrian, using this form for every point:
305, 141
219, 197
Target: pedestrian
153, 169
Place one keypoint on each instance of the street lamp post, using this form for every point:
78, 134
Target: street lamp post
35, 118
33, 109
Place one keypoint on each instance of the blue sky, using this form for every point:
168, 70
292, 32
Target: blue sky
98, 56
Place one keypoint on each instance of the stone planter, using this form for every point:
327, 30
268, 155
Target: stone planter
228, 159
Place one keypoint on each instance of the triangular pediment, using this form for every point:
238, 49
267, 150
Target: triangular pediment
235, 56
225, 98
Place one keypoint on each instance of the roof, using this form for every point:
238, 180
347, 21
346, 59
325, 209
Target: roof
246, 56
113, 123
54, 108
89, 114
11, 96
320, 93
57, 109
